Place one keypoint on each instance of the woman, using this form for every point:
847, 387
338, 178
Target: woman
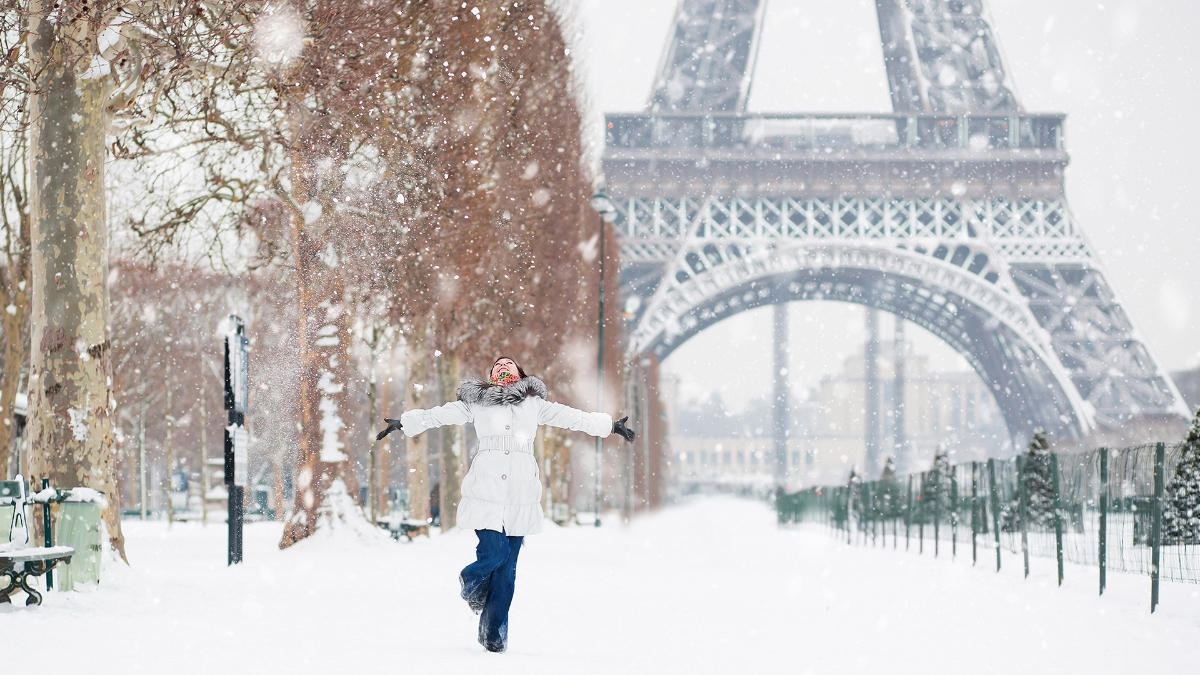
501, 494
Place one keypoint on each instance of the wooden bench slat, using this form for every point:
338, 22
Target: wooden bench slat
28, 554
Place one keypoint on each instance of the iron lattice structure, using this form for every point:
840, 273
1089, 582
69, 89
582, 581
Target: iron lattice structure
710, 58
949, 212
941, 57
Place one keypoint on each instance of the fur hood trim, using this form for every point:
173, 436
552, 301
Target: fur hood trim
477, 392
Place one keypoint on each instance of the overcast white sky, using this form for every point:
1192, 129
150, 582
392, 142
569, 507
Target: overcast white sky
1122, 71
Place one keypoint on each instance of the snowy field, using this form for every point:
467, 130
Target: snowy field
709, 587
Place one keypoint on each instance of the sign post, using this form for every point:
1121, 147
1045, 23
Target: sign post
237, 391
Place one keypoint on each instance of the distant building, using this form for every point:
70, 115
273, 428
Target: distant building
953, 410
1188, 382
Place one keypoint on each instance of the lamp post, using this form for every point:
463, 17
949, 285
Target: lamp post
608, 213
237, 393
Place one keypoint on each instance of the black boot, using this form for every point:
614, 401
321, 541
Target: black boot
475, 599
494, 646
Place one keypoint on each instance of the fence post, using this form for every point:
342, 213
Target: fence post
829, 506
937, 512
819, 505
874, 506
953, 512
1103, 553
995, 495
869, 512
921, 518
835, 509
908, 512
896, 525
858, 508
1022, 501
974, 510
849, 500
1058, 526
1160, 452
834, 500
823, 505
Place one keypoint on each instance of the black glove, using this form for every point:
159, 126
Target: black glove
393, 425
620, 428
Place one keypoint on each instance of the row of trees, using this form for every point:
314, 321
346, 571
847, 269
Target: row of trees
402, 175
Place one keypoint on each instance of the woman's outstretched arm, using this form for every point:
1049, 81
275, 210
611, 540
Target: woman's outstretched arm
566, 417
455, 412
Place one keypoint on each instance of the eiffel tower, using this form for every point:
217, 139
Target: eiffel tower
949, 212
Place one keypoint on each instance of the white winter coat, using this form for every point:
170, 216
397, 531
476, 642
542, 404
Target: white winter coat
502, 491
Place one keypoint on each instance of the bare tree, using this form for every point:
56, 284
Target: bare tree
416, 161
71, 397
88, 68
14, 227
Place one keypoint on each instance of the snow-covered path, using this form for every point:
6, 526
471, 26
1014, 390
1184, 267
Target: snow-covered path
709, 587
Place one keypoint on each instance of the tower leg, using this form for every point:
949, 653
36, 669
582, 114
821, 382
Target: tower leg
779, 407
871, 431
898, 357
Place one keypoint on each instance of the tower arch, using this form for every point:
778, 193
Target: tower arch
955, 298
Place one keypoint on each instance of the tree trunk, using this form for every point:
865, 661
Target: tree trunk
323, 324
14, 294
372, 478
204, 448
15, 347
169, 418
71, 400
417, 447
452, 454
558, 469
383, 482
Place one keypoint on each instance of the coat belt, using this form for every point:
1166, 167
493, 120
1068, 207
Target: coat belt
510, 443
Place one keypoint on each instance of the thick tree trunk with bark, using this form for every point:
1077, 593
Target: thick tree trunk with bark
70, 381
323, 325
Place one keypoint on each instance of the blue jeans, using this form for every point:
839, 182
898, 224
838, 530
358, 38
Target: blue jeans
487, 585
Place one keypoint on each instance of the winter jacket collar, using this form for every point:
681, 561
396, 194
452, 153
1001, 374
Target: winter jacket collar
476, 392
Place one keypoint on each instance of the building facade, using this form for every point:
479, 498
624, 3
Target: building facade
953, 411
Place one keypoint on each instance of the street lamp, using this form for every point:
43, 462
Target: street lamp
608, 213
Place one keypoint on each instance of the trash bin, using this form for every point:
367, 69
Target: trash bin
79, 527
6, 513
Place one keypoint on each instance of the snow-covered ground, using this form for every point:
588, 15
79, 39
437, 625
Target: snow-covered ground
709, 587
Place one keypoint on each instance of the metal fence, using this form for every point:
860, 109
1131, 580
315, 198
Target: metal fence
1103, 508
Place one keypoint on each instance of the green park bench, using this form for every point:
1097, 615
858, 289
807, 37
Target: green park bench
409, 528
21, 564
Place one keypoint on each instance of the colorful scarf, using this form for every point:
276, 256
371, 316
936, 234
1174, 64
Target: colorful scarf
504, 378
